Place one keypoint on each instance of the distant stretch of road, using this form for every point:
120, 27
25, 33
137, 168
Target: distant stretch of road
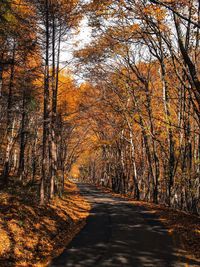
118, 234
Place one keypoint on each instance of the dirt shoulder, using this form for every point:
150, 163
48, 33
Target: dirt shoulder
184, 227
31, 235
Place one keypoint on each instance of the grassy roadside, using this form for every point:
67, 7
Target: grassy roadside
184, 227
31, 235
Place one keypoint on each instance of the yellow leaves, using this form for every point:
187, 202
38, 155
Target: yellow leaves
44, 232
120, 49
113, 42
155, 11
5, 242
67, 93
100, 12
99, 5
106, 142
23, 7
135, 27
10, 18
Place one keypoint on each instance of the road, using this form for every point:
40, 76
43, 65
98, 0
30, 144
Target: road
118, 234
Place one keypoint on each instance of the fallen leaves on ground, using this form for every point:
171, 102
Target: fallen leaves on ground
31, 235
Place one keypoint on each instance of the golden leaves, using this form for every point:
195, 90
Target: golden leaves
29, 234
155, 11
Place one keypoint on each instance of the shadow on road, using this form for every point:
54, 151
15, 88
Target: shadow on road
119, 234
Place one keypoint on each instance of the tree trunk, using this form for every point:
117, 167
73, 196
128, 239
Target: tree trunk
46, 119
10, 121
22, 139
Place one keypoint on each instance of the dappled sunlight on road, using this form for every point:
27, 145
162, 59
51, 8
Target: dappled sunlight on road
120, 234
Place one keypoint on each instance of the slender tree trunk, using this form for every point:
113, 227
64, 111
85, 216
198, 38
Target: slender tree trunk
195, 86
1, 79
53, 145
136, 189
46, 119
10, 121
171, 157
22, 139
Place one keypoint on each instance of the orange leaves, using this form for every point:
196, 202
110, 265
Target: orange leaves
68, 94
23, 7
155, 11
99, 6
31, 235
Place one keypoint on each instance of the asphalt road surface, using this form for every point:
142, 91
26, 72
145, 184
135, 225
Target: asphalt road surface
118, 234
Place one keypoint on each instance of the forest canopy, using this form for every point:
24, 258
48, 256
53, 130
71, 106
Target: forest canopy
131, 123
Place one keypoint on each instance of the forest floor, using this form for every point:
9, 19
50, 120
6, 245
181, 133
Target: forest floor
184, 227
31, 235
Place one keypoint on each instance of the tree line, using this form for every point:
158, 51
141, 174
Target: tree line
34, 133
144, 65
133, 125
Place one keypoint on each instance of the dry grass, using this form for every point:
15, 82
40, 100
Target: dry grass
31, 235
